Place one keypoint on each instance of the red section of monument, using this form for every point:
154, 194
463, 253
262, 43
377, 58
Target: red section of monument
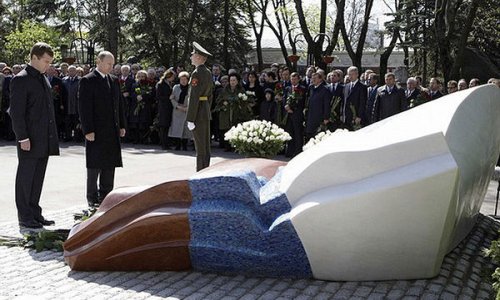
146, 228
135, 229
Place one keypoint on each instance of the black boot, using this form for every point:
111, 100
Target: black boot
184, 143
177, 144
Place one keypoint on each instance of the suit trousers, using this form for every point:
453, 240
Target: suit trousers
201, 135
106, 181
29, 182
296, 130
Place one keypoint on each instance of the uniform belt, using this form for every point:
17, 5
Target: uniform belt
203, 98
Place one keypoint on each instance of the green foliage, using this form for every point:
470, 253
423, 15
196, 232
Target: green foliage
19, 42
494, 253
40, 241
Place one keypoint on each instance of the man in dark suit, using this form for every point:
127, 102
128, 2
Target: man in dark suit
318, 112
103, 123
59, 96
295, 115
390, 99
434, 86
200, 95
336, 88
33, 121
70, 107
354, 102
372, 95
412, 92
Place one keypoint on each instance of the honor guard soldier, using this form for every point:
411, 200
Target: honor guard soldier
200, 101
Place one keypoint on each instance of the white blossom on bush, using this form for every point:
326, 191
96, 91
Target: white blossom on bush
321, 137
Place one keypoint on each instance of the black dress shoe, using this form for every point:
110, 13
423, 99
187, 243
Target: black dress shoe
45, 222
31, 225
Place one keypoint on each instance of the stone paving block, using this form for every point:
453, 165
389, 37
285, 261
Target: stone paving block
269, 295
250, 282
165, 292
435, 288
260, 289
448, 296
230, 285
343, 294
383, 287
483, 295
376, 296
414, 291
362, 291
250, 297
280, 286
290, 293
395, 294
217, 294
188, 290
454, 289
465, 297
429, 296
209, 288
323, 295
350, 285
303, 297
238, 292
311, 290
179, 285
331, 287
300, 284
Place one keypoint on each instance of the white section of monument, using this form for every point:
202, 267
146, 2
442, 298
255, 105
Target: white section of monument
390, 200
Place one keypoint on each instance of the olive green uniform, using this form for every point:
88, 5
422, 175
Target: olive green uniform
200, 101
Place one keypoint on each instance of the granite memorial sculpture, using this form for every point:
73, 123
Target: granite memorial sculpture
386, 202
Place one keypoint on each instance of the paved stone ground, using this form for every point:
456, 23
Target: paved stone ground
464, 275
24, 274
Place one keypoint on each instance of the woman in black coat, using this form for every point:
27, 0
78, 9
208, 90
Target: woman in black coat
139, 118
163, 92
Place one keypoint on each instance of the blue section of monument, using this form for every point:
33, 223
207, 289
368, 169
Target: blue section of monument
240, 224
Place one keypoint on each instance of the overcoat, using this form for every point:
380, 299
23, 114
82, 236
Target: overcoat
101, 111
32, 114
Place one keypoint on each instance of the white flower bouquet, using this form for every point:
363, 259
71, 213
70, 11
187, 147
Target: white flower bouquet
257, 138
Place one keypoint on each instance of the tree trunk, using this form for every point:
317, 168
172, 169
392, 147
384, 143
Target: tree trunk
455, 72
187, 45
113, 26
384, 57
225, 44
278, 31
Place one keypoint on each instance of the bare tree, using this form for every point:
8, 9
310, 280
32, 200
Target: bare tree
356, 55
252, 6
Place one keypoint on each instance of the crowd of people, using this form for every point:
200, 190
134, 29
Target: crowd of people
155, 100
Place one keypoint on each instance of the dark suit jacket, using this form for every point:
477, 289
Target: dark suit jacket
59, 95
387, 105
165, 108
32, 114
413, 96
318, 107
369, 112
436, 95
101, 112
357, 97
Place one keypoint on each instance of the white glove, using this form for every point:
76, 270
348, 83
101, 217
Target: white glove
191, 126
